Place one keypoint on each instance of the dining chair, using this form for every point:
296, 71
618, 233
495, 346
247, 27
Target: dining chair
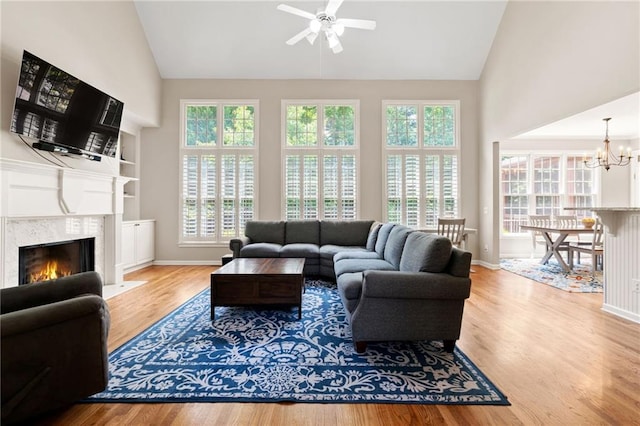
452, 229
536, 236
595, 249
567, 221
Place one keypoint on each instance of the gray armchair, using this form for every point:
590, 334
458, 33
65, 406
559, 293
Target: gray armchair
54, 344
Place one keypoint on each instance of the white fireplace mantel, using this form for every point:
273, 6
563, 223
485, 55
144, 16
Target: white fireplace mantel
40, 194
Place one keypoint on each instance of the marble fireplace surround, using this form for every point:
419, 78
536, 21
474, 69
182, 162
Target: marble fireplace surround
42, 204
25, 232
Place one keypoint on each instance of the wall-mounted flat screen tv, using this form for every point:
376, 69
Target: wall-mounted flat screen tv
64, 113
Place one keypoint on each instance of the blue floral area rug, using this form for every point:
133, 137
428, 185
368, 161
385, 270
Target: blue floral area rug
579, 280
262, 355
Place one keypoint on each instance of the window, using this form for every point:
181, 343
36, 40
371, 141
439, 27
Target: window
421, 160
320, 159
218, 167
543, 184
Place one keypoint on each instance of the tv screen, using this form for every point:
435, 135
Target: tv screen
60, 110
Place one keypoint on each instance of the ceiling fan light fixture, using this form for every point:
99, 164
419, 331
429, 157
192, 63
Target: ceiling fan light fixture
311, 38
315, 25
332, 38
338, 28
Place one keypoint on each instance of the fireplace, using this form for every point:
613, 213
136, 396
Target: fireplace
48, 261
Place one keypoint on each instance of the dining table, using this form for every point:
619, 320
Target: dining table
555, 236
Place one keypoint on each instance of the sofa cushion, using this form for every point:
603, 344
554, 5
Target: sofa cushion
350, 285
349, 289
373, 236
328, 251
359, 265
355, 254
265, 231
383, 234
425, 253
300, 250
345, 233
395, 244
302, 231
261, 250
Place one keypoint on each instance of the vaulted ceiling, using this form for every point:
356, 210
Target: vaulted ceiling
430, 40
413, 40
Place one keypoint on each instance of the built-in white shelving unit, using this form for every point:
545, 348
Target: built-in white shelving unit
137, 242
130, 168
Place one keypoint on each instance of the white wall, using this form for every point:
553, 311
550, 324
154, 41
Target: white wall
550, 60
634, 177
160, 159
99, 42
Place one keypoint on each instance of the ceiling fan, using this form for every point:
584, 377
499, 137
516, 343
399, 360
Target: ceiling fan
325, 21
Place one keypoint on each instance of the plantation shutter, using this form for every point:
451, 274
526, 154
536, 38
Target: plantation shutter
320, 166
218, 184
190, 195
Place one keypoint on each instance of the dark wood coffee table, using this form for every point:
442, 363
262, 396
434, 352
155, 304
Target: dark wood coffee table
257, 281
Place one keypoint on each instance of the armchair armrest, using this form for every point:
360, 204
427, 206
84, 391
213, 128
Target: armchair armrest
31, 295
414, 285
236, 245
52, 314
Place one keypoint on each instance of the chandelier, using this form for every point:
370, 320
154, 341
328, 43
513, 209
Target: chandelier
607, 158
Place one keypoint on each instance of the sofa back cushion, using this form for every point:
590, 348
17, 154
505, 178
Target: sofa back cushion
395, 244
373, 236
262, 231
302, 231
425, 253
345, 232
383, 235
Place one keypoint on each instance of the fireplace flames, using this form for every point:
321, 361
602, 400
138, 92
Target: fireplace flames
50, 271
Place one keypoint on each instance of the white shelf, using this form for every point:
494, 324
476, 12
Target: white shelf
129, 169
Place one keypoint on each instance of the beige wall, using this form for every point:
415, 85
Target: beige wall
99, 42
160, 158
550, 60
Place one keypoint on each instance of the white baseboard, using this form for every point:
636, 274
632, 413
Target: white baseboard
487, 265
621, 313
188, 262
135, 268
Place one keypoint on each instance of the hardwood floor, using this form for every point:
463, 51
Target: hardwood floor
559, 359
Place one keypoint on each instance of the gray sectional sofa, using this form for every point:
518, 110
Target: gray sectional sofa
395, 283
317, 241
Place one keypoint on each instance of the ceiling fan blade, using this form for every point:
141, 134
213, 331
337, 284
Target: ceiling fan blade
296, 38
362, 24
332, 7
296, 11
311, 38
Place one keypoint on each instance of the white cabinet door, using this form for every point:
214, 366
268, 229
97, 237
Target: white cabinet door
145, 242
138, 243
128, 245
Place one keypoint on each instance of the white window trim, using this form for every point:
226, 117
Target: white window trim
318, 150
199, 150
531, 195
420, 150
